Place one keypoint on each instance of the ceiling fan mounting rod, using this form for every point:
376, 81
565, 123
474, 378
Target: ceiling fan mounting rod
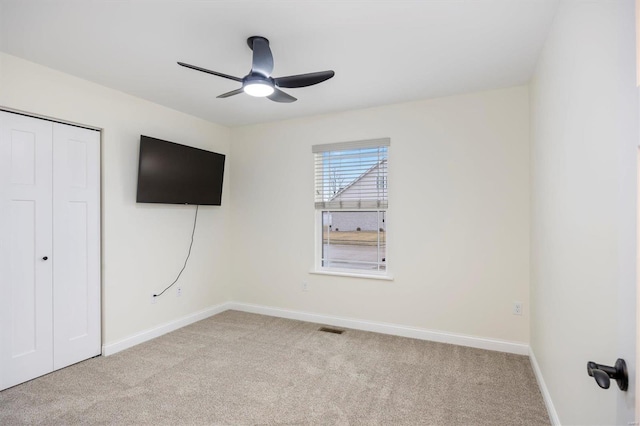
252, 38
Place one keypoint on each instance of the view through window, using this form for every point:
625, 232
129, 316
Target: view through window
354, 240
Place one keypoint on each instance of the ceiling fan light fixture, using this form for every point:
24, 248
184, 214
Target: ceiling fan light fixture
259, 89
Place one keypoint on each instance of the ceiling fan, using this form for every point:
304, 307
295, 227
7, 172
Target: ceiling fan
259, 81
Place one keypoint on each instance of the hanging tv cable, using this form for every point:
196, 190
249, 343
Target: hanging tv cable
195, 220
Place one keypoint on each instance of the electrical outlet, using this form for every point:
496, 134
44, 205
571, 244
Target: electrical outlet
517, 308
154, 299
305, 286
178, 291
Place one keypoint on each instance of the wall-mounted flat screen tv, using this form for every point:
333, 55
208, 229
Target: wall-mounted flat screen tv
170, 173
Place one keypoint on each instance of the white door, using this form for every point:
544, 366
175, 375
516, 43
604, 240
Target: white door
49, 246
26, 345
76, 244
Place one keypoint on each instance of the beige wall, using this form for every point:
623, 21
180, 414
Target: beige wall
458, 245
458, 221
583, 150
144, 245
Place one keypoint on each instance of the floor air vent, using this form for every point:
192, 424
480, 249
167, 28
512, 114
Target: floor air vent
331, 330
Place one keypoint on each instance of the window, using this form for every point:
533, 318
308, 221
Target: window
351, 206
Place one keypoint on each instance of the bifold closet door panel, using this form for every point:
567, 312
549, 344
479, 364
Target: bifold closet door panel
26, 336
76, 244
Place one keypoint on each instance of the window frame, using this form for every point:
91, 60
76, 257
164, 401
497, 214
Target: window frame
318, 232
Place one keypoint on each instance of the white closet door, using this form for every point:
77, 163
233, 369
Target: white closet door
76, 244
26, 346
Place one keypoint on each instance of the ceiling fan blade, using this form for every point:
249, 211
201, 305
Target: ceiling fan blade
219, 74
279, 96
303, 80
231, 93
262, 58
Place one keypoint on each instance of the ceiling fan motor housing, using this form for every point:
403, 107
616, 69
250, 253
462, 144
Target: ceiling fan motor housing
255, 78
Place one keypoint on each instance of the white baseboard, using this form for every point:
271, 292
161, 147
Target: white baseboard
357, 324
152, 333
386, 328
546, 396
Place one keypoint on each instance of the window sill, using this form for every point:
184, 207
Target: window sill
352, 275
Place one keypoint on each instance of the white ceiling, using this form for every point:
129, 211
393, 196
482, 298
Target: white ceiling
383, 52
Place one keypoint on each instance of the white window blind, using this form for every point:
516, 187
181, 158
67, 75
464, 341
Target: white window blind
351, 175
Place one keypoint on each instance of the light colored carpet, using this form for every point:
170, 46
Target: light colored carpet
240, 368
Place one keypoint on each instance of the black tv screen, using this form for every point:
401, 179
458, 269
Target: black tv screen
171, 173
